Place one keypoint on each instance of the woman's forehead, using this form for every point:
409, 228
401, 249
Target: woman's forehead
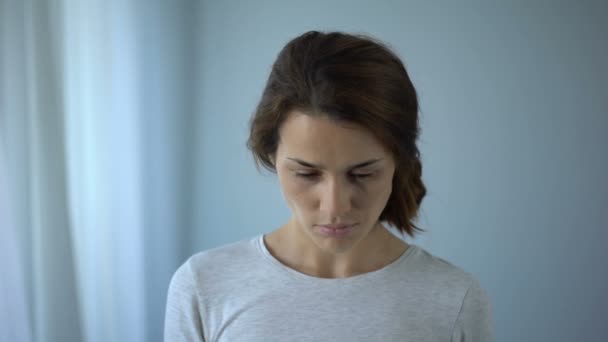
311, 128
319, 140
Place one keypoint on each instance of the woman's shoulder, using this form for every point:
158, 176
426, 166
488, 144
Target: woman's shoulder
233, 254
458, 288
230, 251
430, 268
213, 265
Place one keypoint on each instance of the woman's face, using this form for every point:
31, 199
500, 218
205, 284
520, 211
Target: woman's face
332, 174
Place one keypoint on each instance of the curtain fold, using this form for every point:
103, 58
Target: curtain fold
96, 135
13, 298
104, 167
34, 40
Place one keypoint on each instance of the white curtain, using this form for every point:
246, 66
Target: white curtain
95, 164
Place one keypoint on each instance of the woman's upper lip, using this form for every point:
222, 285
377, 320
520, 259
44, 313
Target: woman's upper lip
337, 226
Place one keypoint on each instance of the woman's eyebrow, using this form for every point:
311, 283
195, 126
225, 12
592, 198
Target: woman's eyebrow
321, 167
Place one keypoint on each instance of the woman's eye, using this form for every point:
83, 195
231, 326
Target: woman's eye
361, 175
314, 175
307, 175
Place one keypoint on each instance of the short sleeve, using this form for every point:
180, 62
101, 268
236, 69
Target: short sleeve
182, 316
474, 322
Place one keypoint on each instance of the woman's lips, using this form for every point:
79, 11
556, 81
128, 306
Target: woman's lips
336, 230
336, 226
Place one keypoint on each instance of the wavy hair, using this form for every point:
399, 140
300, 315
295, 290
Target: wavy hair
351, 78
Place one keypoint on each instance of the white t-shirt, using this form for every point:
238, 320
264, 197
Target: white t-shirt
240, 292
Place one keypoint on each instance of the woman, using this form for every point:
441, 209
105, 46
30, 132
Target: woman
338, 123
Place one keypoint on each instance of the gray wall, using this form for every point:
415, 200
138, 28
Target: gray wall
514, 120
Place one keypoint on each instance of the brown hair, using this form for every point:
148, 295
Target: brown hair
352, 78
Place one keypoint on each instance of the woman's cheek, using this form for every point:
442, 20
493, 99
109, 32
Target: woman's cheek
374, 194
296, 193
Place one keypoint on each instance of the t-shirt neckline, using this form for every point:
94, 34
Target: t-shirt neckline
302, 276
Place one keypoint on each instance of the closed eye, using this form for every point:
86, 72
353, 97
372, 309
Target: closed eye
312, 175
307, 175
361, 175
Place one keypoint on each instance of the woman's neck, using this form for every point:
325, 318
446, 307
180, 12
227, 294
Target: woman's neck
295, 249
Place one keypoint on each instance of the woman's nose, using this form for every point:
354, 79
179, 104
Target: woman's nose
336, 199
